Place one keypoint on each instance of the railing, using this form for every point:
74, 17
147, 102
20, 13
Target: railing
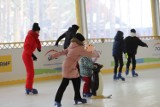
15, 45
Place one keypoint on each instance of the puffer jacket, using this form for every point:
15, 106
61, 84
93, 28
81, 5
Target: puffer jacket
118, 44
86, 66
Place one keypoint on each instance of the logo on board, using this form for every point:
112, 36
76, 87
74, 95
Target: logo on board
6, 63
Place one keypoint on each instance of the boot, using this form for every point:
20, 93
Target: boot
120, 77
127, 71
57, 104
134, 74
31, 91
80, 100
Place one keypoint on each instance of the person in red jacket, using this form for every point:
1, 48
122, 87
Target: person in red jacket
30, 45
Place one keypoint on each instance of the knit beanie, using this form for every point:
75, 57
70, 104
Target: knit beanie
35, 27
76, 27
133, 31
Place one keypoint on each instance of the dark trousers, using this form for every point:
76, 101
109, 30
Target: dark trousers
118, 60
63, 86
133, 59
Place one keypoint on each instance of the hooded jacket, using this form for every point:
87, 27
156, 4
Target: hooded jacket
132, 42
73, 54
118, 44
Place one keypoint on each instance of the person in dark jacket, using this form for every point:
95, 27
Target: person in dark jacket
132, 42
118, 49
68, 35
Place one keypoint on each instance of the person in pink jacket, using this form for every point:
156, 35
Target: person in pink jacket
69, 69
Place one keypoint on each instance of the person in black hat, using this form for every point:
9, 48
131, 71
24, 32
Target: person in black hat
35, 27
68, 35
69, 69
30, 45
132, 42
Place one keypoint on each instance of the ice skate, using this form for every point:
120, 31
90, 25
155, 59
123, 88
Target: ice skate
57, 104
81, 101
134, 74
115, 77
127, 71
87, 94
120, 77
31, 91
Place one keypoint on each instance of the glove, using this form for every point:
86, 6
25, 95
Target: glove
38, 50
50, 57
126, 55
34, 57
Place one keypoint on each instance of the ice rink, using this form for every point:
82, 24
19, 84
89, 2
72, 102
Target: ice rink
142, 91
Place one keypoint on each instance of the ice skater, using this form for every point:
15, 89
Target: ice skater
30, 45
132, 42
86, 66
68, 35
117, 52
69, 69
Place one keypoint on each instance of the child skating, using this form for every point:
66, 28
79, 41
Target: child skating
69, 69
86, 66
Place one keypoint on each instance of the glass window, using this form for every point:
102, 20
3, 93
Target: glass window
17, 17
105, 17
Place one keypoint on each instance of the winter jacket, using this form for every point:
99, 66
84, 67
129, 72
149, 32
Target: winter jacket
68, 35
73, 54
86, 66
31, 43
132, 43
118, 44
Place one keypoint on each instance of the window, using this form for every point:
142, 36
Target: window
17, 17
105, 17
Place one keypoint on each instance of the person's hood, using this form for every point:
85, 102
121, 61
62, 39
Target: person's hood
69, 28
119, 36
75, 27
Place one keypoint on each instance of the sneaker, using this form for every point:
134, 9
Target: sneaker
31, 91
